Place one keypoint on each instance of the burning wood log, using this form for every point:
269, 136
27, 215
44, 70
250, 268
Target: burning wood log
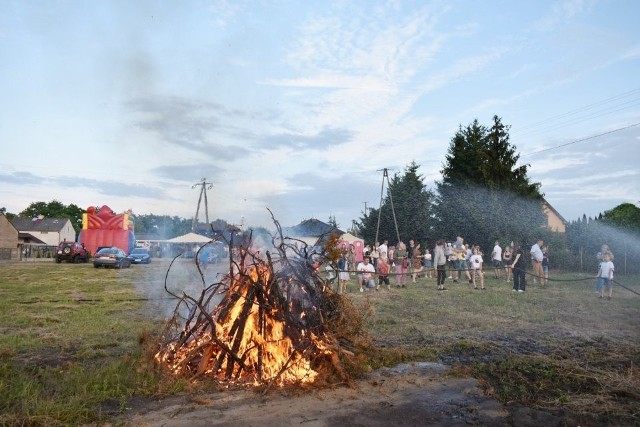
271, 326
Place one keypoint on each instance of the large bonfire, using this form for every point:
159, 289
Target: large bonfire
278, 322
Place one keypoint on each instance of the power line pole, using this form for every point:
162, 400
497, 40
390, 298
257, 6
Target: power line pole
365, 207
204, 186
385, 174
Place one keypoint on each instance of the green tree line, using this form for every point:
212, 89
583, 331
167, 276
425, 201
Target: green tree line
484, 196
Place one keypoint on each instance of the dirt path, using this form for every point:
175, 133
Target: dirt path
406, 395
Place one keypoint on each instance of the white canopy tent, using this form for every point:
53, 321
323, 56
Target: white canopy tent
190, 238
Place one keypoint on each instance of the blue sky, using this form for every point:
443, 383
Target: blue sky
296, 106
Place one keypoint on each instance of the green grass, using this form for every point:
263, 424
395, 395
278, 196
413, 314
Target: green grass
70, 341
73, 341
559, 346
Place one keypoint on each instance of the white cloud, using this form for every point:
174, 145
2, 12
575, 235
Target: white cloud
562, 11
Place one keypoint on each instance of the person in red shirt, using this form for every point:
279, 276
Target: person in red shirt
383, 273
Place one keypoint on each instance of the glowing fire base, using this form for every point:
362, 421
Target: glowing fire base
269, 328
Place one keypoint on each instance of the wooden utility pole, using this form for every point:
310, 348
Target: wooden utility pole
385, 175
204, 186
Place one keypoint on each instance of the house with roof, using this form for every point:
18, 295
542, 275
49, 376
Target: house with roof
555, 221
311, 231
8, 240
48, 231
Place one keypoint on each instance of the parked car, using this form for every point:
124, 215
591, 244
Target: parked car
215, 251
72, 252
140, 256
111, 257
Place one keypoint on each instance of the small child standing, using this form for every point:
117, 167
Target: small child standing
604, 279
383, 273
476, 267
343, 272
545, 266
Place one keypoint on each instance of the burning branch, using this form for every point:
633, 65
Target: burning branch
271, 326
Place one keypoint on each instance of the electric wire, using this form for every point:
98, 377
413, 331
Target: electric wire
533, 127
581, 140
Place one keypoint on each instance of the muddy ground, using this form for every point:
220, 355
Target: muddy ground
417, 394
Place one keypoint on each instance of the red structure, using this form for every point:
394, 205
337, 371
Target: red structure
103, 227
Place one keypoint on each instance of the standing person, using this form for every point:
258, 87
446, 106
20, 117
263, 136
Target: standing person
460, 251
545, 265
416, 261
506, 256
343, 272
496, 258
604, 278
375, 255
383, 273
451, 258
365, 275
351, 258
603, 250
427, 263
401, 262
440, 262
476, 268
519, 268
384, 247
410, 250
536, 259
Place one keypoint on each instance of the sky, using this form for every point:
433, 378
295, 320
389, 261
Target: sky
296, 107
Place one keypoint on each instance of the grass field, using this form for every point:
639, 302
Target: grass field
72, 344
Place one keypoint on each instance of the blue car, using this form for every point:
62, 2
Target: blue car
140, 256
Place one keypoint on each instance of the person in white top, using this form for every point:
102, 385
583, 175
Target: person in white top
384, 247
496, 258
604, 281
366, 272
476, 268
536, 259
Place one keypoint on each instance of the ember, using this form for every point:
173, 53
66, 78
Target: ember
271, 326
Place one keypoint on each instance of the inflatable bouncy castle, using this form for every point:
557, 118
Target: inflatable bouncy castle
102, 227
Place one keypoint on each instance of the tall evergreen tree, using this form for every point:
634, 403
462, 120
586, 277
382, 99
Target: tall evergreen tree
483, 195
411, 201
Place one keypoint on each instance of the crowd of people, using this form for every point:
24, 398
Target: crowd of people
384, 265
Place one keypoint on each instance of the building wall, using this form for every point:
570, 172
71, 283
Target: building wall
52, 238
8, 240
554, 222
67, 232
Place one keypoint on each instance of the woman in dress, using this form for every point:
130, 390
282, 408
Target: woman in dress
416, 262
401, 262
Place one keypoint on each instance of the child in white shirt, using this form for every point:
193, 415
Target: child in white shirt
604, 280
476, 267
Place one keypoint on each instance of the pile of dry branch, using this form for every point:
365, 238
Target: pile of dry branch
272, 325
